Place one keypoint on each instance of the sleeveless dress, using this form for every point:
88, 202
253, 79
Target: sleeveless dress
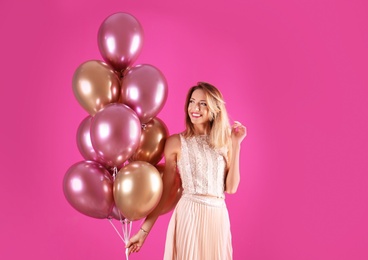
199, 228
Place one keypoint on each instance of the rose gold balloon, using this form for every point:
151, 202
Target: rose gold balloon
152, 142
116, 214
84, 141
161, 168
144, 89
95, 85
174, 197
137, 189
115, 133
120, 40
175, 191
88, 187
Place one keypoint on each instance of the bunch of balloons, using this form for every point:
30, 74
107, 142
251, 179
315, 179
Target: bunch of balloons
122, 139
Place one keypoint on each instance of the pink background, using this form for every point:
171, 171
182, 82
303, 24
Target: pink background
294, 72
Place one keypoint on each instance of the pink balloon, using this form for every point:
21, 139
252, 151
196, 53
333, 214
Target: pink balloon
88, 187
116, 214
120, 40
144, 89
84, 141
115, 134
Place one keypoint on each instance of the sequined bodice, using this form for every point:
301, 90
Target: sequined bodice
201, 168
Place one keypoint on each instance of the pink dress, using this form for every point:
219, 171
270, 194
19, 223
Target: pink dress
199, 227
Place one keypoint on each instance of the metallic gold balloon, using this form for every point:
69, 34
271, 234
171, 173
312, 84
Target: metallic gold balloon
152, 142
137, 190
95, 84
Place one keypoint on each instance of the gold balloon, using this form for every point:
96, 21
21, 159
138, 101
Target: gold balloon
175, 191
95, 85
137, 189
152, 143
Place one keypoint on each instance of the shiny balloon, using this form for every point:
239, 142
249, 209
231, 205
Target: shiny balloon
120, 40
137, 189
88, 187
152, 142
175, 191
95, 85
84, 141
116, 214
144, 89
160, 168
115, 134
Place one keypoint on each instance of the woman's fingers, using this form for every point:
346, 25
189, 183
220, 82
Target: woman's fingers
239, 131
133, 248
237, 126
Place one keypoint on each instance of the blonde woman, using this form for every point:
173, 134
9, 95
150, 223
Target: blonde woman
206, 155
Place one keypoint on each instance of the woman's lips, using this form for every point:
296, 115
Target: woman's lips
195, 115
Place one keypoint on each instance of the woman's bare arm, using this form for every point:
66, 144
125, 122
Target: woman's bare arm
172, 150
238, 133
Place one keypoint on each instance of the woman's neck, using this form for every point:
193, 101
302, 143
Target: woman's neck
201, 130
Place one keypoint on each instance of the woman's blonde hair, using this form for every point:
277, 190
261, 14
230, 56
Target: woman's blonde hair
219, 121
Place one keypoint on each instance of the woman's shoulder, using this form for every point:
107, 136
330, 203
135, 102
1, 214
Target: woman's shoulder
173, 139
173, 142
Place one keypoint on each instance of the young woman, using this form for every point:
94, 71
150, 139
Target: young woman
206, 155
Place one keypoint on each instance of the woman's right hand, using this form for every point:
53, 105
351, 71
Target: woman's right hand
136, 242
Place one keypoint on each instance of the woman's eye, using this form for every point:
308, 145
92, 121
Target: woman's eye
191, 101
203, 104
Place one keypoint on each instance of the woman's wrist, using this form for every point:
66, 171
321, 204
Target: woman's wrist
144, 231
236, 146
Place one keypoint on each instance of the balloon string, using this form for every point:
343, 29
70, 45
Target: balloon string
115, 172
117, 231
127, 228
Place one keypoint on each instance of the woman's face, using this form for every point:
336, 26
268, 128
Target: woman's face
197, 108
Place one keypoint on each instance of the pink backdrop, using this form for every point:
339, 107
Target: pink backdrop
294, 72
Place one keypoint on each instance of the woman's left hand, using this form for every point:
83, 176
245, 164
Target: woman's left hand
238, 132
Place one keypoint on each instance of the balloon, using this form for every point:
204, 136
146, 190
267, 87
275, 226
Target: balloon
88, 187
115, 133
175, 191
152, 143
120, 40
161, 168
137, 189
174, 197
144, 89
84, 141
116, 214
95, 85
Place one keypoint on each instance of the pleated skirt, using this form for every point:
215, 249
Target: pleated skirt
199, 229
